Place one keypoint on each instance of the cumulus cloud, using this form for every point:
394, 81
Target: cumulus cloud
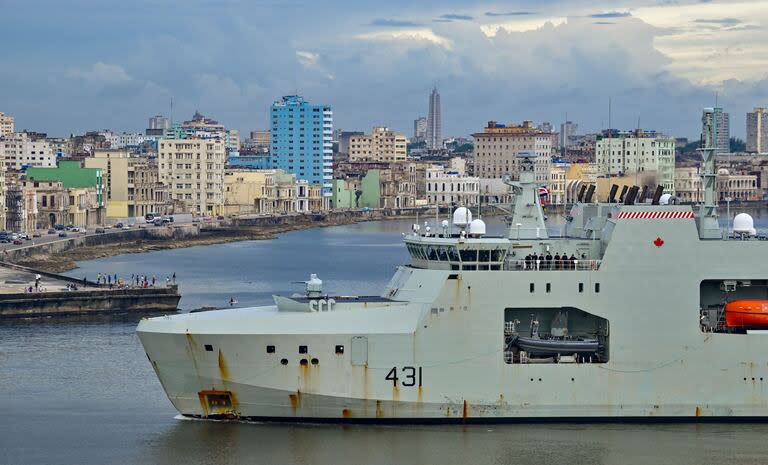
307, 59
413, 36
100, 74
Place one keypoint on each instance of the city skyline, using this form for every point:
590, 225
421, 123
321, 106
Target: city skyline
661, 63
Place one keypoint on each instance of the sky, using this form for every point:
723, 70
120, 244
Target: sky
67, 66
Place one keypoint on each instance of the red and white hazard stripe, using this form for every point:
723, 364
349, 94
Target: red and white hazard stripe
654, 215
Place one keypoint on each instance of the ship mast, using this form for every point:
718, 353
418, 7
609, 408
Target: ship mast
709, 228
527, 217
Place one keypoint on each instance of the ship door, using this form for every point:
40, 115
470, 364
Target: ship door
359, 350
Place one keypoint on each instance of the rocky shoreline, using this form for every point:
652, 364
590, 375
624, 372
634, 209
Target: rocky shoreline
65, 261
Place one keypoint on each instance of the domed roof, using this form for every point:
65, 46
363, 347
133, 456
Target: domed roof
723, 171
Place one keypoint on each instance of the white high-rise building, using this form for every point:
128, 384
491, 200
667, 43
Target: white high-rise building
434, 122
567, 131
757, 130
621, 153
420, 129
20, 150
6, 124
719, 121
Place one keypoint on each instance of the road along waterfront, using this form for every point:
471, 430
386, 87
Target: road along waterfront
80, 390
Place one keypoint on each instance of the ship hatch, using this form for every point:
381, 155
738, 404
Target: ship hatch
554, 335
217, 402
359, 354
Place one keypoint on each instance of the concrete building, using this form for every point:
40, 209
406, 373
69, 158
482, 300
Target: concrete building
448, 187
715, 121
157, 126
57, 204
302, 140
72, 175
193, 171
131, 184
259, 139
6, 124
434, 122
688, 186
21, 208
557, 185
249, 191
757, 131
420, 129
568, 131
622, 153
20, 150
498, 146
344, 140
383, 144
737, 187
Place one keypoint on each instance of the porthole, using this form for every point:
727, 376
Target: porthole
284, 361
208, 348
339, 349
315, 361
303, 362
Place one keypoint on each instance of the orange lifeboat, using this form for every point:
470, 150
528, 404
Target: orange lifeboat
747, 314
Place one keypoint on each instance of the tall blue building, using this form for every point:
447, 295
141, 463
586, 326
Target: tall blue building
301, 143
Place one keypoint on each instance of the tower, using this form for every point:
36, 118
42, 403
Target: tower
434, 122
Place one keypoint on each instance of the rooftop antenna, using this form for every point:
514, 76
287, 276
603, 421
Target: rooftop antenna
637, 159
170, 115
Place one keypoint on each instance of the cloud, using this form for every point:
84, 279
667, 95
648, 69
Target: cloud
409, 35
307, 59
509, 13
722, 21
452, 17
100, 73
611, 14
383, 22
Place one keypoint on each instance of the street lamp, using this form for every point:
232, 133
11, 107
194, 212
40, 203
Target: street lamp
728, 213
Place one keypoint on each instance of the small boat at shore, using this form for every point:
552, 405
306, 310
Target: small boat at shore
747, 314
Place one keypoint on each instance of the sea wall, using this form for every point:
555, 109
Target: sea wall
111, 237
37, 304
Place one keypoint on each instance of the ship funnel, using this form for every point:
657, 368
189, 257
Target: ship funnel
657, 195
612, 194
643, 195
623, 193
580, 197
590, 193
630, 197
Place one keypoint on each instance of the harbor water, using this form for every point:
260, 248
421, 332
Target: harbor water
80, 390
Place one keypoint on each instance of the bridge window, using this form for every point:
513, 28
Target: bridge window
302, 349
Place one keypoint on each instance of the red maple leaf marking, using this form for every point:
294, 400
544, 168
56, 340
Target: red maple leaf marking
658, 242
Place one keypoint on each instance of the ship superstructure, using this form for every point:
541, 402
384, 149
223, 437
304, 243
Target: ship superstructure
623, 316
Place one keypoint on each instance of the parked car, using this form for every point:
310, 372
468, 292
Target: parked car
24, 236
63, 234
36, 234
118, 225
100, 231
51, 231
59, 227
127, 226
17, 242
157, 222
76, 229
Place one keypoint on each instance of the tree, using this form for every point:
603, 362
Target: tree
737, 145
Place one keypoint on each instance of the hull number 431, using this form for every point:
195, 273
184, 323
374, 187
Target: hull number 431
408, 376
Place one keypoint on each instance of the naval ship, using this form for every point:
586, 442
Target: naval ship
640, 309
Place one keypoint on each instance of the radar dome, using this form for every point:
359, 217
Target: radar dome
444, 224
462, 217
743, 224
722, 171
664, 199
477, 227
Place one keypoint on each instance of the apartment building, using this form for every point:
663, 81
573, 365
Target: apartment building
498, 146
620, 153
193, 171
382, 144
